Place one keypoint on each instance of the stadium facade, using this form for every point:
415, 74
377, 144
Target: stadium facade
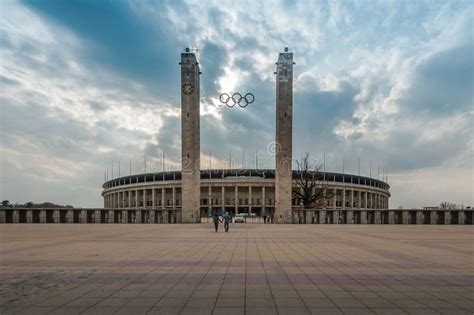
190, 194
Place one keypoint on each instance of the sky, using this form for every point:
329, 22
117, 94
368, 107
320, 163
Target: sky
85, 85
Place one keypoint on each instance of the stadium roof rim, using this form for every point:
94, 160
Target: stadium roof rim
223, 173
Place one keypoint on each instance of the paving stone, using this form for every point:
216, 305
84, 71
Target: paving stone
229, 311
84, 302
326, 310
259, 269
260, 311
293, 311
259, 302
127, 310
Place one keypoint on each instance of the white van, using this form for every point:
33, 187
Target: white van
240, 218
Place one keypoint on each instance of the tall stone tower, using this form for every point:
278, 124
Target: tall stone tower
284, 126
190, 138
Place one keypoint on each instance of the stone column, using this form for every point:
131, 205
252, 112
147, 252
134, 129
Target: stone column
16, 216
3, 216
153, 198
144, 198
236, 199
352, 199
461, 217
42, 216
419, 217
56, 218
70, 216
29, 216
129, 199
209, 197
138, 216
365, 200
343, 198
250, 199
447, 217
152, 214
434, 217
363, 217
334, 199
391, 217
83, 216
223, 198
111, 217
377, 217
173, 190
124, 216
97, 216
165, 216
335, 216
325, 198
405, 217
350, 216
163, 191
263, 200
322, 216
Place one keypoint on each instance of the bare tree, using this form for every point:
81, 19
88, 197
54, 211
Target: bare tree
447, 205
307, 191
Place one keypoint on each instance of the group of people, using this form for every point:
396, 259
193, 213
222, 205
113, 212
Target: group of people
267, 219
226, 218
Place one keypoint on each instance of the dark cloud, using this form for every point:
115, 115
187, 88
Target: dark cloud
168, 140
115, 37
212, 58
128, 53
443, 83
7, 81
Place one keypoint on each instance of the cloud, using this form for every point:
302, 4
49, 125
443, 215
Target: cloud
85, 84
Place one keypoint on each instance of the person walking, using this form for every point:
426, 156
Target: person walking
227, 220
216, 220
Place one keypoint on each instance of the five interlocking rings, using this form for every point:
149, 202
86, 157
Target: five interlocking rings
237, 98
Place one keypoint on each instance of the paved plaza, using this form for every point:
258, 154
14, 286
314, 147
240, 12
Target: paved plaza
253, 269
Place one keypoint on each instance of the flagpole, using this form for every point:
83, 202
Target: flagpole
256, 159
370, 169
343, 161
324, 166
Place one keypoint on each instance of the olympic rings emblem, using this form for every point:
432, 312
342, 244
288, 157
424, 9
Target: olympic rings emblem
237, 98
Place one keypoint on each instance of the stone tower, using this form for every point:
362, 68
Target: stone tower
284, 125
190, 138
